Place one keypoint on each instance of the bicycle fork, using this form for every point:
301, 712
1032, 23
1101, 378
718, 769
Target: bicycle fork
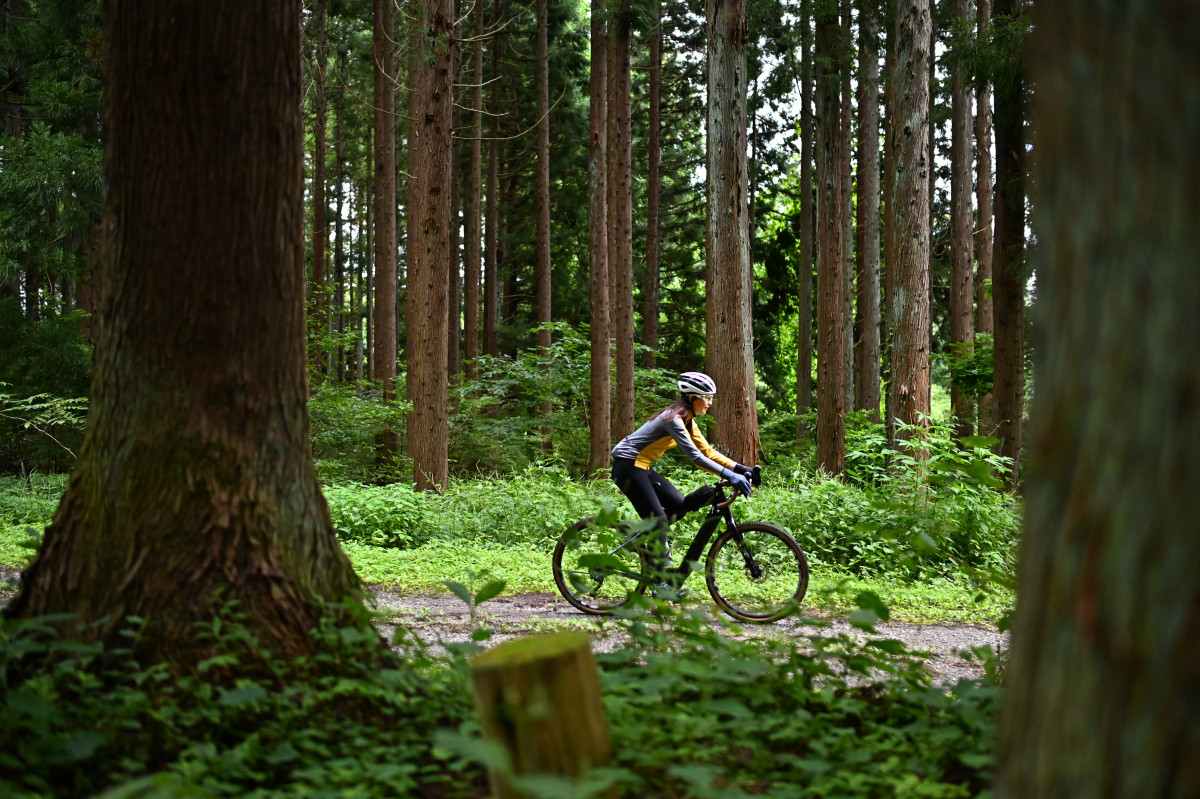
753, 569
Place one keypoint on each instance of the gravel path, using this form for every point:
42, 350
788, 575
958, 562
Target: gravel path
446, 619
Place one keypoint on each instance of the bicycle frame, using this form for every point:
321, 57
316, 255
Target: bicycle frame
720, 510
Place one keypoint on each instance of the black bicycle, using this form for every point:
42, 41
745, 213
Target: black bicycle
755, 571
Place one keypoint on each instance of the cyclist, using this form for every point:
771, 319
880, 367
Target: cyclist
654, 496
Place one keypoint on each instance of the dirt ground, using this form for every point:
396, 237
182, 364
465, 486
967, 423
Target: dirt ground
446, 619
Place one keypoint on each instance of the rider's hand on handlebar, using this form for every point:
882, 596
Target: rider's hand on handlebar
739, 482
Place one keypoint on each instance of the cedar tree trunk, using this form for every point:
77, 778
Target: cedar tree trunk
430, 76
195, 483
1102, 691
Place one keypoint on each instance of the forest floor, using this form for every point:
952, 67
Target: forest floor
445, 619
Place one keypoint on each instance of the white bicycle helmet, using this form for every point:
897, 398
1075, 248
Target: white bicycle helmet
694, 384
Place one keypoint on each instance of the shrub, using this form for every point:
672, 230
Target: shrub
384, 516
693, 709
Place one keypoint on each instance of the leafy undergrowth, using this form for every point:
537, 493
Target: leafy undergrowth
425, 570
693, 712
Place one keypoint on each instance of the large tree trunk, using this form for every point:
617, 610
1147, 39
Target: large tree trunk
430, 78
620, 217
729, 337
1102, 694
600, 404
831, 246
650, 297
195, 483
962, 276
383, 358
908, 310
804, 317
983, 220
866, 334
1008, 274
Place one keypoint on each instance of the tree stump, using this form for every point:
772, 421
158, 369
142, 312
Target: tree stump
540, 698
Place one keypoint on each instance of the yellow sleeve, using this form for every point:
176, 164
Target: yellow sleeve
707, 448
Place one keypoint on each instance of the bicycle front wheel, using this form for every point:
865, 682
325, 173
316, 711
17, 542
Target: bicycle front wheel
598, 568
757, 573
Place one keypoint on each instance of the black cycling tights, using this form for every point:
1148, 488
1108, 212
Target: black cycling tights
652, 494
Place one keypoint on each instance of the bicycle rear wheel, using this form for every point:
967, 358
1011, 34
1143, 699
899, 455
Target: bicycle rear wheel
757, 573
598, 568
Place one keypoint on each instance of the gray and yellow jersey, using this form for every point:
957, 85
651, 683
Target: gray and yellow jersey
658, 435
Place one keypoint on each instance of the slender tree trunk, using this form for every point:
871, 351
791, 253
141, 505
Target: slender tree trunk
600, 404
729, 337
337, 311
845, 167
831, 260
543, 179
1008, 285
383, 358
908, 310
983, 223
473, 220
650, 297
888, 224
454, 284
1101, 693
369, 261
804, 318
430, 78
491, 241
962, 276
195, 484
867, 354
320, 232
620, 217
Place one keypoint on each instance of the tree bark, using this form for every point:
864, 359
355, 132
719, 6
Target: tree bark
195, 483
1008, 282
908, 311
430, 77
866, 334
729, 337
962, 276
804, 319
831, 246
846, 168
620, 217
320, 232
384, 354
600, 403
454, 276
542, 68
1101, 692
650, 298
473, 217
491, 237
983, 221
